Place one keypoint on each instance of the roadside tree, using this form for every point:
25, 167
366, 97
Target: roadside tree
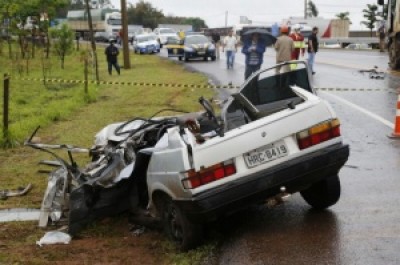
63, 41
143, 13
370, 14
312, 10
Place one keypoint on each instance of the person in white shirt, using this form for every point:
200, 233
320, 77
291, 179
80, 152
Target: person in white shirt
230, 46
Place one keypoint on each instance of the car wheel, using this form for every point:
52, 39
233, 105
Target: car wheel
213, 58
178, 228
186, 57
180, 58
205, 59
323, 194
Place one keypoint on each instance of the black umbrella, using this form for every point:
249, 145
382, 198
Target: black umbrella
264, 35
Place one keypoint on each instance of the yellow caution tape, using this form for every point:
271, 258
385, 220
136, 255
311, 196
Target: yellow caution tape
229, 86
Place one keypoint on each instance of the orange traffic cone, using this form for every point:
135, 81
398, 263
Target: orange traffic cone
396, 133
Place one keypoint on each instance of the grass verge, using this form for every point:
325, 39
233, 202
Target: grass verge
66, 116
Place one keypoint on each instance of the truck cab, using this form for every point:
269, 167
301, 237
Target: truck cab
113, 24
390, 10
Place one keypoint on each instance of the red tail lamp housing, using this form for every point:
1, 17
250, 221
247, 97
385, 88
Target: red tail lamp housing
207, 175
319, 133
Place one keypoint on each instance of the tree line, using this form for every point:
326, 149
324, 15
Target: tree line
143, 13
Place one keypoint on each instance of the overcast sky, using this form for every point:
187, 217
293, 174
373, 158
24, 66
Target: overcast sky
259, 11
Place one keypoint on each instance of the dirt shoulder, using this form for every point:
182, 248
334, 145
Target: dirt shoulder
110, 241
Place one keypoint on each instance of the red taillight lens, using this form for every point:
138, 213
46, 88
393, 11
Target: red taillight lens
318, 134
230, 169
207, 175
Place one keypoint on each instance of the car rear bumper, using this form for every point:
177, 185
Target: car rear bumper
200, 55
295, 175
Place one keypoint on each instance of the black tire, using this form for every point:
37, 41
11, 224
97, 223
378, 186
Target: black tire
205, 59
186, 57
180, 58
213, 58
185, 234
323, 194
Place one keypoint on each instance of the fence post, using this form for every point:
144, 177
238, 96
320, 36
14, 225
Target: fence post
86, 72
6, 86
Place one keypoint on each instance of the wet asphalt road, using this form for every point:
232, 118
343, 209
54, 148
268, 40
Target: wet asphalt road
364, 226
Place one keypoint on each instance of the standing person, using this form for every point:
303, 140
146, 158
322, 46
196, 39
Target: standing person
112, 53
254, 50
382, 34
284, 47
181, 34
312, 48
230, 45
120, 37
298, 40
217, 41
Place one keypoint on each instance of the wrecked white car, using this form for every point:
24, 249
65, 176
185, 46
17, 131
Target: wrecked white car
272, 138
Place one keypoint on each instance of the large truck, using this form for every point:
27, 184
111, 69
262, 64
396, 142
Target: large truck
103, 20
328, 28
392, 15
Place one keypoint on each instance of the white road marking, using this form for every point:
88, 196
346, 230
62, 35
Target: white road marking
354, 106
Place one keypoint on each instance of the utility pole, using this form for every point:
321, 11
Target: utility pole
125, 41
91, 36
305, 9
226, 19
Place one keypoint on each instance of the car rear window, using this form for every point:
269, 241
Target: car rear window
266, 93
269, 88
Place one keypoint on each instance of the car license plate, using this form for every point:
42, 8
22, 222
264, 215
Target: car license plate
266, 153
201, 53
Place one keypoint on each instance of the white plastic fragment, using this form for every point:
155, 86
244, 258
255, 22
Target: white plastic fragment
54, 237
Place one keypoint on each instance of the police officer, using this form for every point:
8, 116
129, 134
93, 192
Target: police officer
112, 53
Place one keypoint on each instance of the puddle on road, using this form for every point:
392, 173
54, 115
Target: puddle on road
19, 214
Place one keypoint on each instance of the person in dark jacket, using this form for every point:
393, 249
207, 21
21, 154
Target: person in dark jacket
111, 53
253, 49
312, 48
217, 41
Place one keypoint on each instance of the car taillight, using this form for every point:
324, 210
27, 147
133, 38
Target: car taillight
319, 133
206, 175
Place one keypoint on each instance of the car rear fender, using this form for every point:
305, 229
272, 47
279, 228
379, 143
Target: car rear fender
170, 158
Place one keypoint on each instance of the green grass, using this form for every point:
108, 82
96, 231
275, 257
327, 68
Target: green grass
67, 115
33, 103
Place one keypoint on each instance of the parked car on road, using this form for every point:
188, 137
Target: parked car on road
163, 34
358, 46
146, 43
192, 46
133, 32
101, 36
273, 137
331, 45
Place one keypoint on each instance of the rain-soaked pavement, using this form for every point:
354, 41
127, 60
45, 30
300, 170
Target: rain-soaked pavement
364, 226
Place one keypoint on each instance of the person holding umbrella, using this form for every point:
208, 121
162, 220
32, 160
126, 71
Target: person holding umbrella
254, 45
